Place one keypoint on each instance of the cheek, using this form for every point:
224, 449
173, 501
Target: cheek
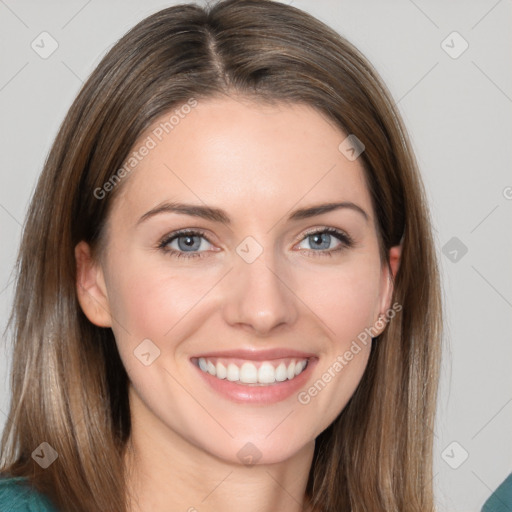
156, 302
149, 300
345, 299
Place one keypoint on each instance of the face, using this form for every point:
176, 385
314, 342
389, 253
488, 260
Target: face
235, 316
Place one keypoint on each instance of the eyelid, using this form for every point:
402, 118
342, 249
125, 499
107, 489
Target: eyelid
169, 237
323, 229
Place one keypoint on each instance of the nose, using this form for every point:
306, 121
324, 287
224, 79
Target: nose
259, 296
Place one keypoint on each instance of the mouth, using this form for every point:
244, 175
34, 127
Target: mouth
252, 373
263, 377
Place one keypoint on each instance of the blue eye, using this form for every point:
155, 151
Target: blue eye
321, 239
189, 243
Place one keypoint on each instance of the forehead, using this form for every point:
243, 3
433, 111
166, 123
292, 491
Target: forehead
243, 156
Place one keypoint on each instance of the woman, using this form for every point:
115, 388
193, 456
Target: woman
227, 291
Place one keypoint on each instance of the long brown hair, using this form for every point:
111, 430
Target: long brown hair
69, 387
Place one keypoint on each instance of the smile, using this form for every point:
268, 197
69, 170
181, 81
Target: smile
260, 373
255, 377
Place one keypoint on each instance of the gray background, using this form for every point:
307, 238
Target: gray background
458, 112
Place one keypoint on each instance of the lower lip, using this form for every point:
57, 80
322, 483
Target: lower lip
268, 394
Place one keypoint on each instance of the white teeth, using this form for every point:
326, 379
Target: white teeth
281, 373
266, 374
290, 372
233, 372
248, 373
221, 371
210, 368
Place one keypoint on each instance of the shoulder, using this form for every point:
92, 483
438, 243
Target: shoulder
16, 495
501, 499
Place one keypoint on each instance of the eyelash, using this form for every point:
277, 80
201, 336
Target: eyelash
345, 239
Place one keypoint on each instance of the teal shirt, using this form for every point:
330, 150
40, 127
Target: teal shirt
501, 499
16, 495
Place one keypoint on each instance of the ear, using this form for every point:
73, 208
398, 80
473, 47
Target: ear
387, 285
90, 287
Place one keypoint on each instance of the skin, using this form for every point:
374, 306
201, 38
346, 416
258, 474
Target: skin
274, 159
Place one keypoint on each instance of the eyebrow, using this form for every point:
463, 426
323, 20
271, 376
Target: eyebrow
219, 215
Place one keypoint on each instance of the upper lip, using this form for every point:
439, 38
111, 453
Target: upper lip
258, 355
